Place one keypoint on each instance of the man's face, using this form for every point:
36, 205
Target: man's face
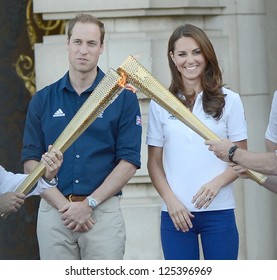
84, 47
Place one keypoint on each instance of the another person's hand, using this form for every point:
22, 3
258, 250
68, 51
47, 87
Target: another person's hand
11, 202
220, 148
240, 170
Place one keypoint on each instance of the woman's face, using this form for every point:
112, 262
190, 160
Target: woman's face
188, 59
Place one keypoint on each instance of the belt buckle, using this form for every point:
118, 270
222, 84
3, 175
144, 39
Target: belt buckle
70, 197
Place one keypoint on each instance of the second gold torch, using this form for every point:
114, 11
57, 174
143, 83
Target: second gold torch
142, 79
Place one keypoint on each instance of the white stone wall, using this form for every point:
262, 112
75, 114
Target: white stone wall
244, 34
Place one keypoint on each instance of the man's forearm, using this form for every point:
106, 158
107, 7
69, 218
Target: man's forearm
54, 197
116, 180
271, 183
265, 163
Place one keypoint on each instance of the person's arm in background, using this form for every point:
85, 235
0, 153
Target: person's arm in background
270, 183
11, 200
265, 163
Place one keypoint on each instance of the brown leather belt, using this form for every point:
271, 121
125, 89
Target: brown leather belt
75, 198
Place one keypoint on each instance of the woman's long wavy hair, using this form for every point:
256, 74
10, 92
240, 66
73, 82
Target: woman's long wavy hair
213, 97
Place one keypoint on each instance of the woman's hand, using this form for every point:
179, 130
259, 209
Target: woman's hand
180, 215
206, 194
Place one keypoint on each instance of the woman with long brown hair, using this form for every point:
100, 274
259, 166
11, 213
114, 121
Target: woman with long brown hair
196, 186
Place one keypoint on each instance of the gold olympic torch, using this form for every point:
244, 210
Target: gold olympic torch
143, 80
105, 92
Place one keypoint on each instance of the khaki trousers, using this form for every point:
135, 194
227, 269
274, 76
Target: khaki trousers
105, 241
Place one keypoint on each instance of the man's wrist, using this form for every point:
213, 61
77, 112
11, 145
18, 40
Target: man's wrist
92, 202
231, 153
